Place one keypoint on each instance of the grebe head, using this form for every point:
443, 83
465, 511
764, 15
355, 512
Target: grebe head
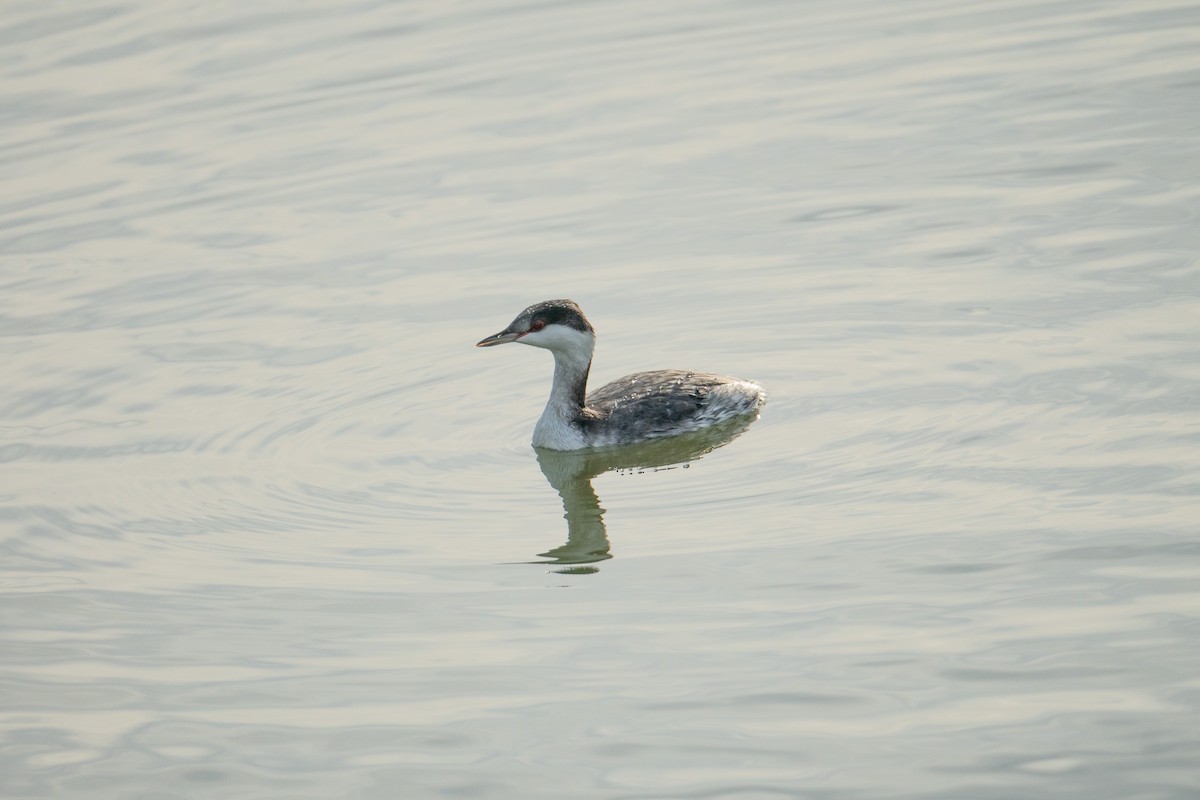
556, 325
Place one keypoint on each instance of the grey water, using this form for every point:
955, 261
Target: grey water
270, 525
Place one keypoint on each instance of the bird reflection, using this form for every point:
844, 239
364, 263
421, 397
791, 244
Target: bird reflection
570, 472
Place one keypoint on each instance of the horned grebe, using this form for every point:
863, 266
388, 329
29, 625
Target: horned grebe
636, 408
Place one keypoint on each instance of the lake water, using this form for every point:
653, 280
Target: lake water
271, 527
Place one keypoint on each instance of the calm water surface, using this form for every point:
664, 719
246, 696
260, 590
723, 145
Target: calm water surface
271, 527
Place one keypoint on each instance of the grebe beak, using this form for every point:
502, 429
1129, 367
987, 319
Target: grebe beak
503, 337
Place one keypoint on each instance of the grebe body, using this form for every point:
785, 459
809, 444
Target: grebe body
635, 408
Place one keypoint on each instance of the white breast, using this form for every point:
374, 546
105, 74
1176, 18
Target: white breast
556, 432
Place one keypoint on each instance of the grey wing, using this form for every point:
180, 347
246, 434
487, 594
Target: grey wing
654, 403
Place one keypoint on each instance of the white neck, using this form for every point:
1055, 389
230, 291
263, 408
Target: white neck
558, 427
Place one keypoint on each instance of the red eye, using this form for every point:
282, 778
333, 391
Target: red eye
537, 325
